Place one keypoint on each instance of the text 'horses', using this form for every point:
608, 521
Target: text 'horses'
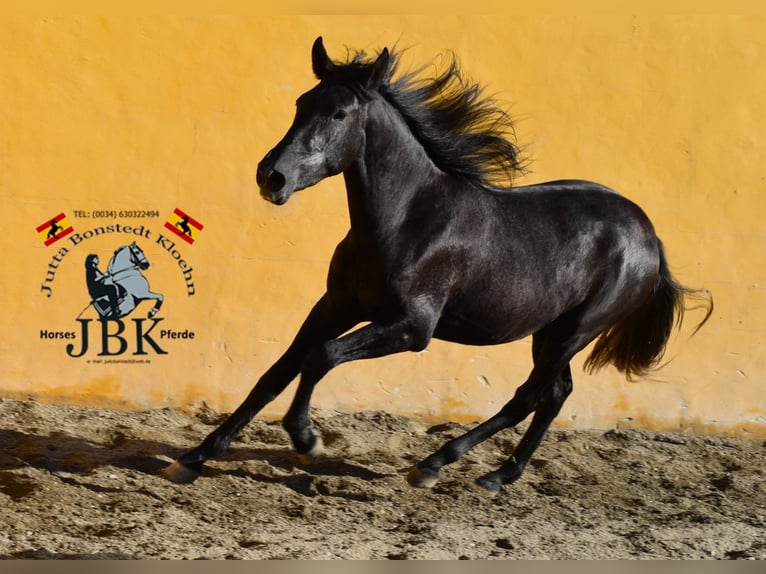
441, 245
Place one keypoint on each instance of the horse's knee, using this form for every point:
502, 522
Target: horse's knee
560, 389
524, 401
540, 391
416, 334
417, 340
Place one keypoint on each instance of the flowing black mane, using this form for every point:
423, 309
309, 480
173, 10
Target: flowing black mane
464, 132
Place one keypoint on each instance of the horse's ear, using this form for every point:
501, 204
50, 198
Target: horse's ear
320, 62
379, 70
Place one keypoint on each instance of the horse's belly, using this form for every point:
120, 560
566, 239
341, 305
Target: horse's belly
481, 329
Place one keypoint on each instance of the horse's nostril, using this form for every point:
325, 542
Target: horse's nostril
276, 181
269, 179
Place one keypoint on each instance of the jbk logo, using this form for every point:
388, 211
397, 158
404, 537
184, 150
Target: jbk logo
114, 338
121, 317
114, 294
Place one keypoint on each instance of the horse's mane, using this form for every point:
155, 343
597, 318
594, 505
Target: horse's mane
464, 132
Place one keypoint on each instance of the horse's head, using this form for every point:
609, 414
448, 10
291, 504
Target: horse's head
328, 129
137, 256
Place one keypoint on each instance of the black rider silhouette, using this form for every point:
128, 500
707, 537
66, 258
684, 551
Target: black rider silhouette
184, 225
55, 228
97, 287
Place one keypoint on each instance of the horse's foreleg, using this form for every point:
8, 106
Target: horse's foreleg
318, 326
373, 340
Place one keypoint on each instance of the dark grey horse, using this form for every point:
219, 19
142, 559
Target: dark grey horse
441, 245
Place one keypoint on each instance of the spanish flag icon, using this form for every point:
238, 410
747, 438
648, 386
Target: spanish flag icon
183, 225
54, 229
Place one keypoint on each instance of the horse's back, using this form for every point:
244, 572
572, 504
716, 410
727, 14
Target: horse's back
573, 208
553, 245
572, 194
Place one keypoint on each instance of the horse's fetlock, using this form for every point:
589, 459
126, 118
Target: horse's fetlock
449, 453
213, 445
313, 453
295, 423
303, 437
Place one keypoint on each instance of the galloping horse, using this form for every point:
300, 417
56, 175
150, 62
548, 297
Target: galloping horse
124, 271
442, 245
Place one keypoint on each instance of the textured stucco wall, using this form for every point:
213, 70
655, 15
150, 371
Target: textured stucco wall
119, 121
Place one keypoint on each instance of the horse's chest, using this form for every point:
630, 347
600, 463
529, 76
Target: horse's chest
371, 283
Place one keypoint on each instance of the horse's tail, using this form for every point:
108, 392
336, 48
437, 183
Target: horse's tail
635, 345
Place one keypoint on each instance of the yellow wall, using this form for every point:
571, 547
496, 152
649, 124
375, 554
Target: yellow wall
158, 113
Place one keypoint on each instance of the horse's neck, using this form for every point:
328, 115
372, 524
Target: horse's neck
391, 170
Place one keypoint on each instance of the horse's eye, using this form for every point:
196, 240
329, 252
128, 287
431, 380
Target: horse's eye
340, 115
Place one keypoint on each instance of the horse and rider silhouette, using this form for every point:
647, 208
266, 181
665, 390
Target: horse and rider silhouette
117, 292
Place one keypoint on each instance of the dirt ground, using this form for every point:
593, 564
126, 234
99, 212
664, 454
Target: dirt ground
82, 483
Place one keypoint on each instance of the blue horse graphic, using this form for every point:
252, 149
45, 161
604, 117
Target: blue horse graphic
117, 292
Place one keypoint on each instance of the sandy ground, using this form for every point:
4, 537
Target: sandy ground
82, 483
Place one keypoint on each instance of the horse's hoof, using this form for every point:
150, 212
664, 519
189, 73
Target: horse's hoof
179, 473
422, 479
490, 482
313, 454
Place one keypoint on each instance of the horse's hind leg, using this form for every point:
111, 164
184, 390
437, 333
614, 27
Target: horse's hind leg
544, 393
528, 398
320, 325
541, 421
